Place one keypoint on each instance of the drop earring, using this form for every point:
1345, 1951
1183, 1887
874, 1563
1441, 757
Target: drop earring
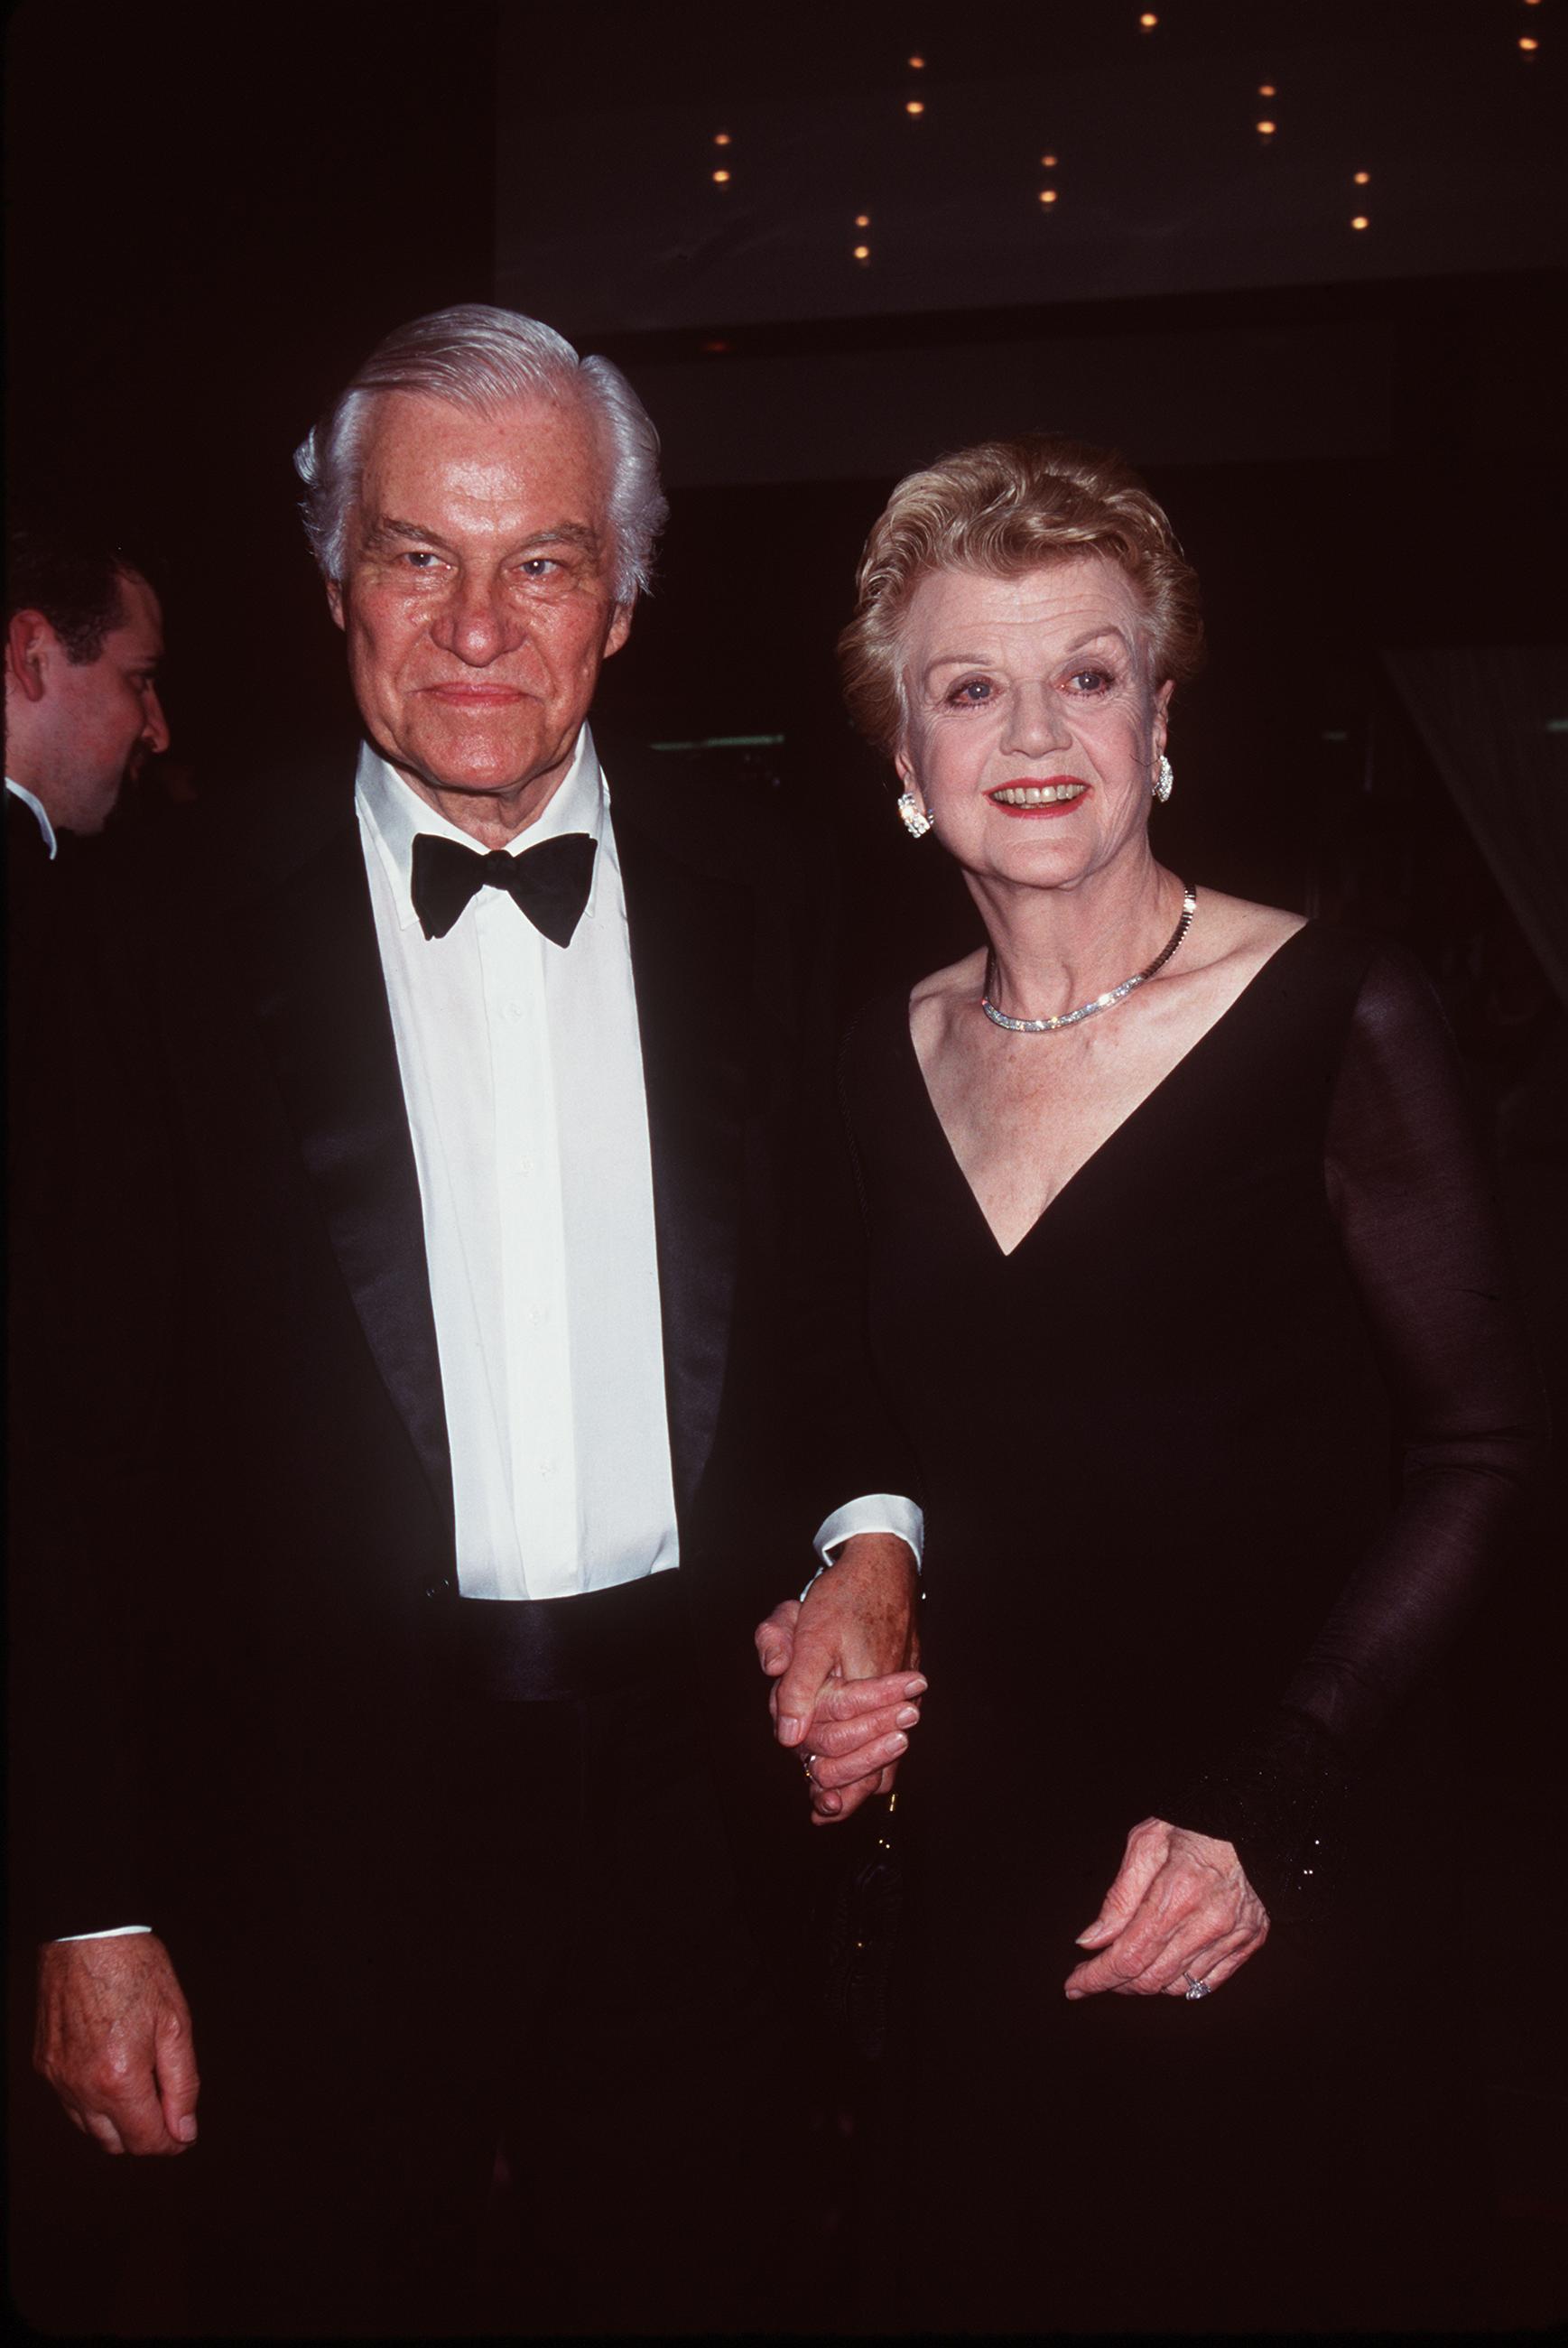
915, 820
1164, 781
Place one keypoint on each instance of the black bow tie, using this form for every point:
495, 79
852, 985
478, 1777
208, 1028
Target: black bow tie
550, 882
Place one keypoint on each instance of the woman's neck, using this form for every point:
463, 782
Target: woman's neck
1052, 949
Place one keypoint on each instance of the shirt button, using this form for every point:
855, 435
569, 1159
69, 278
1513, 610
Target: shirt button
538, 1312
547, 1468
515, 1010
525, 1165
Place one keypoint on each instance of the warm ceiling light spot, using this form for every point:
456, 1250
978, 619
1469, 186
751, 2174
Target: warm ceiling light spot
918, 63
862, 253
1267, 90
1267, 130
914, 105
721, 138
1048, 195
1360, 220
721, 179
1528, 43
1148, 20
1049, 161
863, 219
1361, 179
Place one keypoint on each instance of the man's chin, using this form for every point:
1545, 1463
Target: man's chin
478, 771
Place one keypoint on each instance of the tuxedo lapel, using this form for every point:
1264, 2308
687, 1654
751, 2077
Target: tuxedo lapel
322, 1001
692, 954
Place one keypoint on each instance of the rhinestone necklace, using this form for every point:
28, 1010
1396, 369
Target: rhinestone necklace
1101, 1002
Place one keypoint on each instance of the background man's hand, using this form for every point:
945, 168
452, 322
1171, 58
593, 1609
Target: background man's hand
1181, 1905
113, 2040
846, 1690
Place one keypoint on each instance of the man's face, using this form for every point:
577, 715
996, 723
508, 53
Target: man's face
105, 717
478, 601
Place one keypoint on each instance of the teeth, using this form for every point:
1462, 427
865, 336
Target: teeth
1038, 794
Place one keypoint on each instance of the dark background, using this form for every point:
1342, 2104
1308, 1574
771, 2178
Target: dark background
214, 214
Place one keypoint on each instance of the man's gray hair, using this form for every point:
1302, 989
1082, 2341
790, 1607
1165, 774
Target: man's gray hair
480, 359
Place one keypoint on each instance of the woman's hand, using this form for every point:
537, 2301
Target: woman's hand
1180, 1911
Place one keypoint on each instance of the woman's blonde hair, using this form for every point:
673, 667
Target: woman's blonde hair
1003, 508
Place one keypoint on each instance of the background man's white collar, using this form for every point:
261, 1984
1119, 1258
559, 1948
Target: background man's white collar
44, 826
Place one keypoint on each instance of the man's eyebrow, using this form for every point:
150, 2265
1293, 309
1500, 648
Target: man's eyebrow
389, 529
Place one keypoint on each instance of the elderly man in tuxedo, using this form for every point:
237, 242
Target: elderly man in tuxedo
448, 1315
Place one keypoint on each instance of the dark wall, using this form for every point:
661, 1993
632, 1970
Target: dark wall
213, 215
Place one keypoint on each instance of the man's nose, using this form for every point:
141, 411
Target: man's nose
1036, 721
155, 726
476, 622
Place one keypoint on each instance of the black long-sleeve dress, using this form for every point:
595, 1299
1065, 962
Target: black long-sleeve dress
1212, 1461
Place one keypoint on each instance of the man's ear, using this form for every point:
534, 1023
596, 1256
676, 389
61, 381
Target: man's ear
620, 627
335, 600
29, 641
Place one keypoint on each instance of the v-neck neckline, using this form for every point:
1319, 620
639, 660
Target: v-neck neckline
1006, 1255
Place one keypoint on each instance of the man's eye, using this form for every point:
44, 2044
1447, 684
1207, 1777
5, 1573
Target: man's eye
1091, 680
420, 558
538, 566
971, 692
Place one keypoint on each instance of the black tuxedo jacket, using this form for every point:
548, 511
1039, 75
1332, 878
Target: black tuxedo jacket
267, 1452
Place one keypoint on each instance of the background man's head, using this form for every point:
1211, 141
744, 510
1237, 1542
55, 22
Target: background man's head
484, 505
84, 636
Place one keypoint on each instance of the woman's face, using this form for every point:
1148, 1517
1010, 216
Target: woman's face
1034, 730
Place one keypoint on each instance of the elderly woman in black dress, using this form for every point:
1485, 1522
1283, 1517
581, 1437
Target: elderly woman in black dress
1182, 1272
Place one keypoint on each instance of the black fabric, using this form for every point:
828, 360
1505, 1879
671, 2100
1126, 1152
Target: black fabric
1212, 1462
71, 1639
545, 1650
567, 1984
549, 883
252, 1324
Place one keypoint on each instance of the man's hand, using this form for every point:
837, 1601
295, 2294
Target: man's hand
846, 1692
113, 2040
1180, 1910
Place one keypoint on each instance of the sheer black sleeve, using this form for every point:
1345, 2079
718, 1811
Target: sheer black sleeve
1409, 1191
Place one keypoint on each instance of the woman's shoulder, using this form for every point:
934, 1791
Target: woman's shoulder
1370, 992
1369, 973
958, 982
1234, 930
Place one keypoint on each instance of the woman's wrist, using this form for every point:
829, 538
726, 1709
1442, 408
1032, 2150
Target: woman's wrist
1281, 1801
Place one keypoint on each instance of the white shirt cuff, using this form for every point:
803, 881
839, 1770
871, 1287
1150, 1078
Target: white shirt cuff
878, 1512
114, 1933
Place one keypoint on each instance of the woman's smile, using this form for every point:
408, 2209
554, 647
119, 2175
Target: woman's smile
1056, 798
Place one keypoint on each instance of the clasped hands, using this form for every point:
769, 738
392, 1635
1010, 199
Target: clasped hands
846, 1695
846, 1690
